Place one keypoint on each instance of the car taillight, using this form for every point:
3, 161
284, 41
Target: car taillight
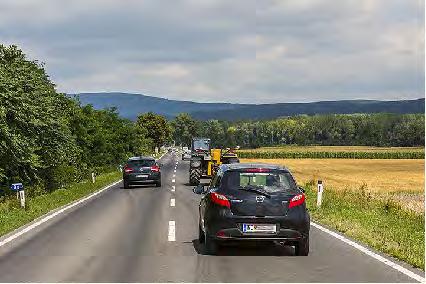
220, 199
297, 200
128, 170
155, 169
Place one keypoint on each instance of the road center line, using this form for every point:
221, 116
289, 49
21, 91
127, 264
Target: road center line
368, 252
172, 231
174, 170
173, 180
172, 202
173, 188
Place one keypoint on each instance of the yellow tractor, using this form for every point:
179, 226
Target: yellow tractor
205, 161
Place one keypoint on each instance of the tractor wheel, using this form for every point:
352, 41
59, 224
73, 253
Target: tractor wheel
194, 176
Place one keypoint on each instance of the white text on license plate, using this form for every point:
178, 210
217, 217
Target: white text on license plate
259, 228
142, 176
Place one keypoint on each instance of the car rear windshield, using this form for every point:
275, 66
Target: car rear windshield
201, 144
269, 181
141, 163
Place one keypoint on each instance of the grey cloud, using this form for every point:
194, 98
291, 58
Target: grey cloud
236, 51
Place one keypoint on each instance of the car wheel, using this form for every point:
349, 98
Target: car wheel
194, 176
158, 184
302, 247
126, 184
210, 245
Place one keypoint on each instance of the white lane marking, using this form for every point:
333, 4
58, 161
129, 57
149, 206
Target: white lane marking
174, 170
173, 180
368, 252
172, 202
172, 231
173, 188
54, 214
174, 175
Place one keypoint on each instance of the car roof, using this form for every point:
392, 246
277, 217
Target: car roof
240, 166
141, 158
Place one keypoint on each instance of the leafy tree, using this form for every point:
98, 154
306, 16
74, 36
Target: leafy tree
184, 128
156, 128
34, 135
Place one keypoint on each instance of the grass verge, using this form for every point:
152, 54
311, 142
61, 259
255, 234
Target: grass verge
13, 217
381, 224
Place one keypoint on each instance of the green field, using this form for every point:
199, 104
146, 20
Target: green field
333, 152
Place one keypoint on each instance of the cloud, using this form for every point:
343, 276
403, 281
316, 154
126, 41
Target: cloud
233, 51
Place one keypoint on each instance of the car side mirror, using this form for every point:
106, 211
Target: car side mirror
199, 189
301, 189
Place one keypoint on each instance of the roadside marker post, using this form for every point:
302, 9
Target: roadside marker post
93, 178
319, 193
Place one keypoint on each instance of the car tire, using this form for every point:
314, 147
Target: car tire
210, 245
302, 247
158, 184
126, 184
194, 176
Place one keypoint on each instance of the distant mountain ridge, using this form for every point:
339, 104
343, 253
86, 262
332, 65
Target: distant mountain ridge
130, 105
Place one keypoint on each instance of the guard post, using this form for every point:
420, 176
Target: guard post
319, 193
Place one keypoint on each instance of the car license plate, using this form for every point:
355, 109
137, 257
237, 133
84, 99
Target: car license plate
259, 228
142, 176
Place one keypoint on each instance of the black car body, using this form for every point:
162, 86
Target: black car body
253, 202
141, 170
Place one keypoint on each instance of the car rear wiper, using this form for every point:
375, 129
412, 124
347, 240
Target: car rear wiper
254, 189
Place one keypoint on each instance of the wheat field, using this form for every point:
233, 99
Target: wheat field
402, 179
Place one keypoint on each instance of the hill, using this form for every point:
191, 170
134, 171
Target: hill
130, 105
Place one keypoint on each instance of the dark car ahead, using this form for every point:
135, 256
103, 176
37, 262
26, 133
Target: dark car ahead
141, 170
253, 202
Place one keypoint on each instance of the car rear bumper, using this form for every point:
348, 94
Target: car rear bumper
151, 178
235, 234
292, 227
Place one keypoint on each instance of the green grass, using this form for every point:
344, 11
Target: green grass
13, 217
381, 224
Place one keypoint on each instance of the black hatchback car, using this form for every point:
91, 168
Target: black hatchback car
141, 170
253, 202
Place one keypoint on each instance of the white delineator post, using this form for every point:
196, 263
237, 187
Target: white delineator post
93, 178
319, 194
22, 198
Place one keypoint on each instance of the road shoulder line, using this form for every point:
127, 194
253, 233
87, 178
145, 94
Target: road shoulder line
370, 253
53, 213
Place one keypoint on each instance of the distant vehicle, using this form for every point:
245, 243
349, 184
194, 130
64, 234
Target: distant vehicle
253, 202
186, 155
141, 170
184, 149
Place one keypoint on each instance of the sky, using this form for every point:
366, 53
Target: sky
240, 51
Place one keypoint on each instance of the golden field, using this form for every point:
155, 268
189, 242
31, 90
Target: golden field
403, 180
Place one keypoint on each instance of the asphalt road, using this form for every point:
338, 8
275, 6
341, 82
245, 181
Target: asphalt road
126, 235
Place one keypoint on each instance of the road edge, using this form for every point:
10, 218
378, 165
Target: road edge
7, 238
369, 251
